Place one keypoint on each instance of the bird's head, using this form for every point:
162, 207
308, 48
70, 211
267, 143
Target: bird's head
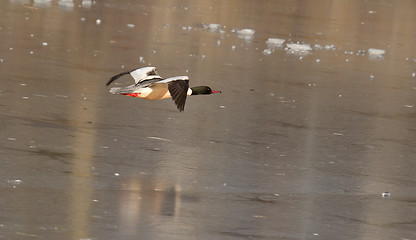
203, 90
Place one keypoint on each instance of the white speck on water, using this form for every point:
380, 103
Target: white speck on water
317, 46
15, 181
372, 12
233, 47
316, 234
86, 3
31, 52
340, 95
372, 77
95, 200
11, 49
160, 139
66, 3
11, 139
141, 59
329, 47
275, 43
414, 74
83, 19
299, 47
218, 42
130, 25
246, 31
386, 194
376, 53
98, 21
408, 105
1, 60
44, 44
267, 51
222, 106
116, 174
338, 134
25, 97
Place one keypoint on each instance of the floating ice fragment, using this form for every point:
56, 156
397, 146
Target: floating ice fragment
386, 194
98, 21
44, 44
212, 27
11, 139
371, 12
130, 25
329, 47
376, 53
15, 181
116, 174
414, 74
267, 51
233, 47
298, 48
86, 3
338, 134
275, 42
246, 33
83, 19
318, 46
161, 139
372, 77
66, 3
318, 60
408, 105
41, 3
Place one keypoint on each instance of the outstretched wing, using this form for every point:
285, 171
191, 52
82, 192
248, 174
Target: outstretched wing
145, 73
178, 89
139, 75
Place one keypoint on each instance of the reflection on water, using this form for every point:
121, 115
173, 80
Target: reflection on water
301, 143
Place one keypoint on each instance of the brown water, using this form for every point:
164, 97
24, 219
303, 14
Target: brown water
297, 146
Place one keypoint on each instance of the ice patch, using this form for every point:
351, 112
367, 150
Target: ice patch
298, 48
86, 3
376, 53
98, 21
267, 51
66, 3
275, 43
246, 34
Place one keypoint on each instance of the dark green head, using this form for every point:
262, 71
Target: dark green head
202, 90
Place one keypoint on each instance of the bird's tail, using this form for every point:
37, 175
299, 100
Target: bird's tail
121, 90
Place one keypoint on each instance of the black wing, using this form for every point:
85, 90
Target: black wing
178, 90
115, 77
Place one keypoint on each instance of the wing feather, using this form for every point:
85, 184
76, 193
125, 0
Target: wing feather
178, 90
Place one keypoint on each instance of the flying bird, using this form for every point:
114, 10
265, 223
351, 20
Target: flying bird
149, 85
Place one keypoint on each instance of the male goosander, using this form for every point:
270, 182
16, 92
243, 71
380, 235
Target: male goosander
149, 85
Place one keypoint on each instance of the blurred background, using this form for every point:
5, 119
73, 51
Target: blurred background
312, 137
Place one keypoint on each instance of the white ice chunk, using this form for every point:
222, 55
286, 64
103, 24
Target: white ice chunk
267, 51
299, 47
329, 47
66, 3
213, 26
246, 31
376, 53
275, 42
130, 25
86, 3
98, 21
